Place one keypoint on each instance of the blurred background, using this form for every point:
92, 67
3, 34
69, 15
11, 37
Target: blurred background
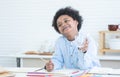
26, 24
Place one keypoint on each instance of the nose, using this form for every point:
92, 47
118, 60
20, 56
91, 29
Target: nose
64, 24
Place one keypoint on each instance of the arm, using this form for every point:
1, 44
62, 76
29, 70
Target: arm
92, 53
89, 59
56, 61
57, 58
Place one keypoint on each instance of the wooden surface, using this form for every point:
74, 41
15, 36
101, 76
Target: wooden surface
7, 74
37, 53
102, 35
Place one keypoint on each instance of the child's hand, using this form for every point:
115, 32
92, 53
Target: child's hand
49, 66
84, 46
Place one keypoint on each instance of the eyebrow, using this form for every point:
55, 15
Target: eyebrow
64, 19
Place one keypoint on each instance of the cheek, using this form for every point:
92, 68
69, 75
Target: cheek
75, 24
60, 30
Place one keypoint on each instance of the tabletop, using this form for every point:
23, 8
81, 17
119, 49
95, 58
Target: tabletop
96, 72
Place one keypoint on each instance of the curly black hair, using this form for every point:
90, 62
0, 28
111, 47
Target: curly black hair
70, 12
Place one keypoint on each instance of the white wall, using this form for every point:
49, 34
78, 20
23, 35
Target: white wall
25, 23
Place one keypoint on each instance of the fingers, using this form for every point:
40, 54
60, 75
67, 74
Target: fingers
84, 45
85, 42
49, 66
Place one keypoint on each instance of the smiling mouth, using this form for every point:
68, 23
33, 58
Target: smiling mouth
65, 28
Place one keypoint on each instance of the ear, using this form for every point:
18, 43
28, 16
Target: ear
76, 22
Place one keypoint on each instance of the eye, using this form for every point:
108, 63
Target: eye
66, 21
58, 25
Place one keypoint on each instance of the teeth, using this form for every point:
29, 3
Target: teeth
65, 28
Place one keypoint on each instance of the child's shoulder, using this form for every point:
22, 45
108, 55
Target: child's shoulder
83, 33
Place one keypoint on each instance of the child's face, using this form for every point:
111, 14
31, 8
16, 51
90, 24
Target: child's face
66, 24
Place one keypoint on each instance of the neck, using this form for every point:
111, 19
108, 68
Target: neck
71, 37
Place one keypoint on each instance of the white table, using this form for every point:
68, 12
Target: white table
30, 60
111, 61
22, 72
20, 75
22, 59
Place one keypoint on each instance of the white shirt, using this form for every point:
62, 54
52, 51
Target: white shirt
68, 55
